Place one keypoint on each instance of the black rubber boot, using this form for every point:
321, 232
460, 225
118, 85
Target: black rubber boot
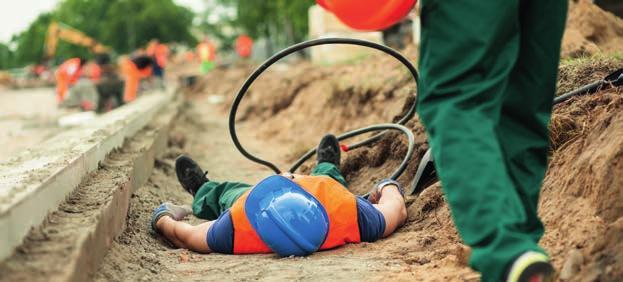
189, 174
328, 150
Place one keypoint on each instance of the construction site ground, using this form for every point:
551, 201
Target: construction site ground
288, 110
580, 205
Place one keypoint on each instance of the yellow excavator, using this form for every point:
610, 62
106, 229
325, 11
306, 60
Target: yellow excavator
62, 31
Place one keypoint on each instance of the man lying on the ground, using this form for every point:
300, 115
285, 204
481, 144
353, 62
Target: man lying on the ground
286, 214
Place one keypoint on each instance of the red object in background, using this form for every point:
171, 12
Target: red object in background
244, 46
39, 69
368, 15
206, 51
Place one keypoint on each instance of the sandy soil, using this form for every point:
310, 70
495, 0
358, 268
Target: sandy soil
581, 200
139, 255
591, 30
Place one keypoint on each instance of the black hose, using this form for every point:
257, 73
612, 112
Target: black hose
295, 48
612, 80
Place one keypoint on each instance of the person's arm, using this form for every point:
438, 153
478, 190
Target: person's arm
184, 235
392, 205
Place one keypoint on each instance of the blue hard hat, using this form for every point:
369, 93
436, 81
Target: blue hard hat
286, 217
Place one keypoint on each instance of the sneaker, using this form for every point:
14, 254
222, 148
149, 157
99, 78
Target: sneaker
531, 267
329, 150
189, 174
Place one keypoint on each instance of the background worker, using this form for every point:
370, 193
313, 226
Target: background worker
66, 75
82, 93
487, 79
286, 214
159, 53
134, 70
109, 85
206, 53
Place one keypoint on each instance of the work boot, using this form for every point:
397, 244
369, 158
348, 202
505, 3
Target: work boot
531, 267
189, 174
328, 150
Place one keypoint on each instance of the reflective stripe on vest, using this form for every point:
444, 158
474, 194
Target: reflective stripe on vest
340, 204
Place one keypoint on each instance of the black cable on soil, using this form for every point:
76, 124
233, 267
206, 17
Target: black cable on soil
324, 41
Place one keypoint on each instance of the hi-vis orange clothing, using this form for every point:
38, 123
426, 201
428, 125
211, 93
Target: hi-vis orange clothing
66, 75
160, 52
132, 76
162, 55
206, 51
340, 204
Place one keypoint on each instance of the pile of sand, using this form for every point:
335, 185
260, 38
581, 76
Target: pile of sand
591, 30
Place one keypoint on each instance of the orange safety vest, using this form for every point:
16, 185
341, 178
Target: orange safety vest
206, 51
162, 55
66, 75
132, 76
340, 204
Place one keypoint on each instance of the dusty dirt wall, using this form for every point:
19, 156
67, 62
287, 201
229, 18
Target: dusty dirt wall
581, 199
591, 30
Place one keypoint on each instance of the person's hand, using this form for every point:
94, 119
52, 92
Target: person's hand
176, 212
377, 190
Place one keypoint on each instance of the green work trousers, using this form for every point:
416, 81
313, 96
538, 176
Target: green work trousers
213, 198
488, 77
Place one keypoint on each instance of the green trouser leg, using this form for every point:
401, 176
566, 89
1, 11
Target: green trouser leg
331, 170
213, 197
488, 74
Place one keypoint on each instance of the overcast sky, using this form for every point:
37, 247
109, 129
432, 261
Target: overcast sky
16, 15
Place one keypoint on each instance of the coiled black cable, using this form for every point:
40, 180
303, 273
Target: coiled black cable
324, 41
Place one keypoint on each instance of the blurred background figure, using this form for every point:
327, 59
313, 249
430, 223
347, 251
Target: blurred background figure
244, 46
66, 76
207, 53
109, 85
159, 53
133, 71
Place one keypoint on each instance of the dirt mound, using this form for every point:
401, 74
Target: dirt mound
591, 30
581, 199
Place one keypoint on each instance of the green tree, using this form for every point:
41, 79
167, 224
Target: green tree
6, 57
30, 42
133, 23
123, 25
280, 22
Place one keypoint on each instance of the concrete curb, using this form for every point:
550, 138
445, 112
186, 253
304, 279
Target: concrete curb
37, 181
93, 245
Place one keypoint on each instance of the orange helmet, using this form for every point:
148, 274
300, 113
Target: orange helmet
370, 14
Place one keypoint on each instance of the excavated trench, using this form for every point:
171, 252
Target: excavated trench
201, 132
580, 203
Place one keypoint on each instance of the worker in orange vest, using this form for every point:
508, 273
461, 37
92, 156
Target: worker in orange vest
134, 70
286, 214
206, 53
67, 75
160, 55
